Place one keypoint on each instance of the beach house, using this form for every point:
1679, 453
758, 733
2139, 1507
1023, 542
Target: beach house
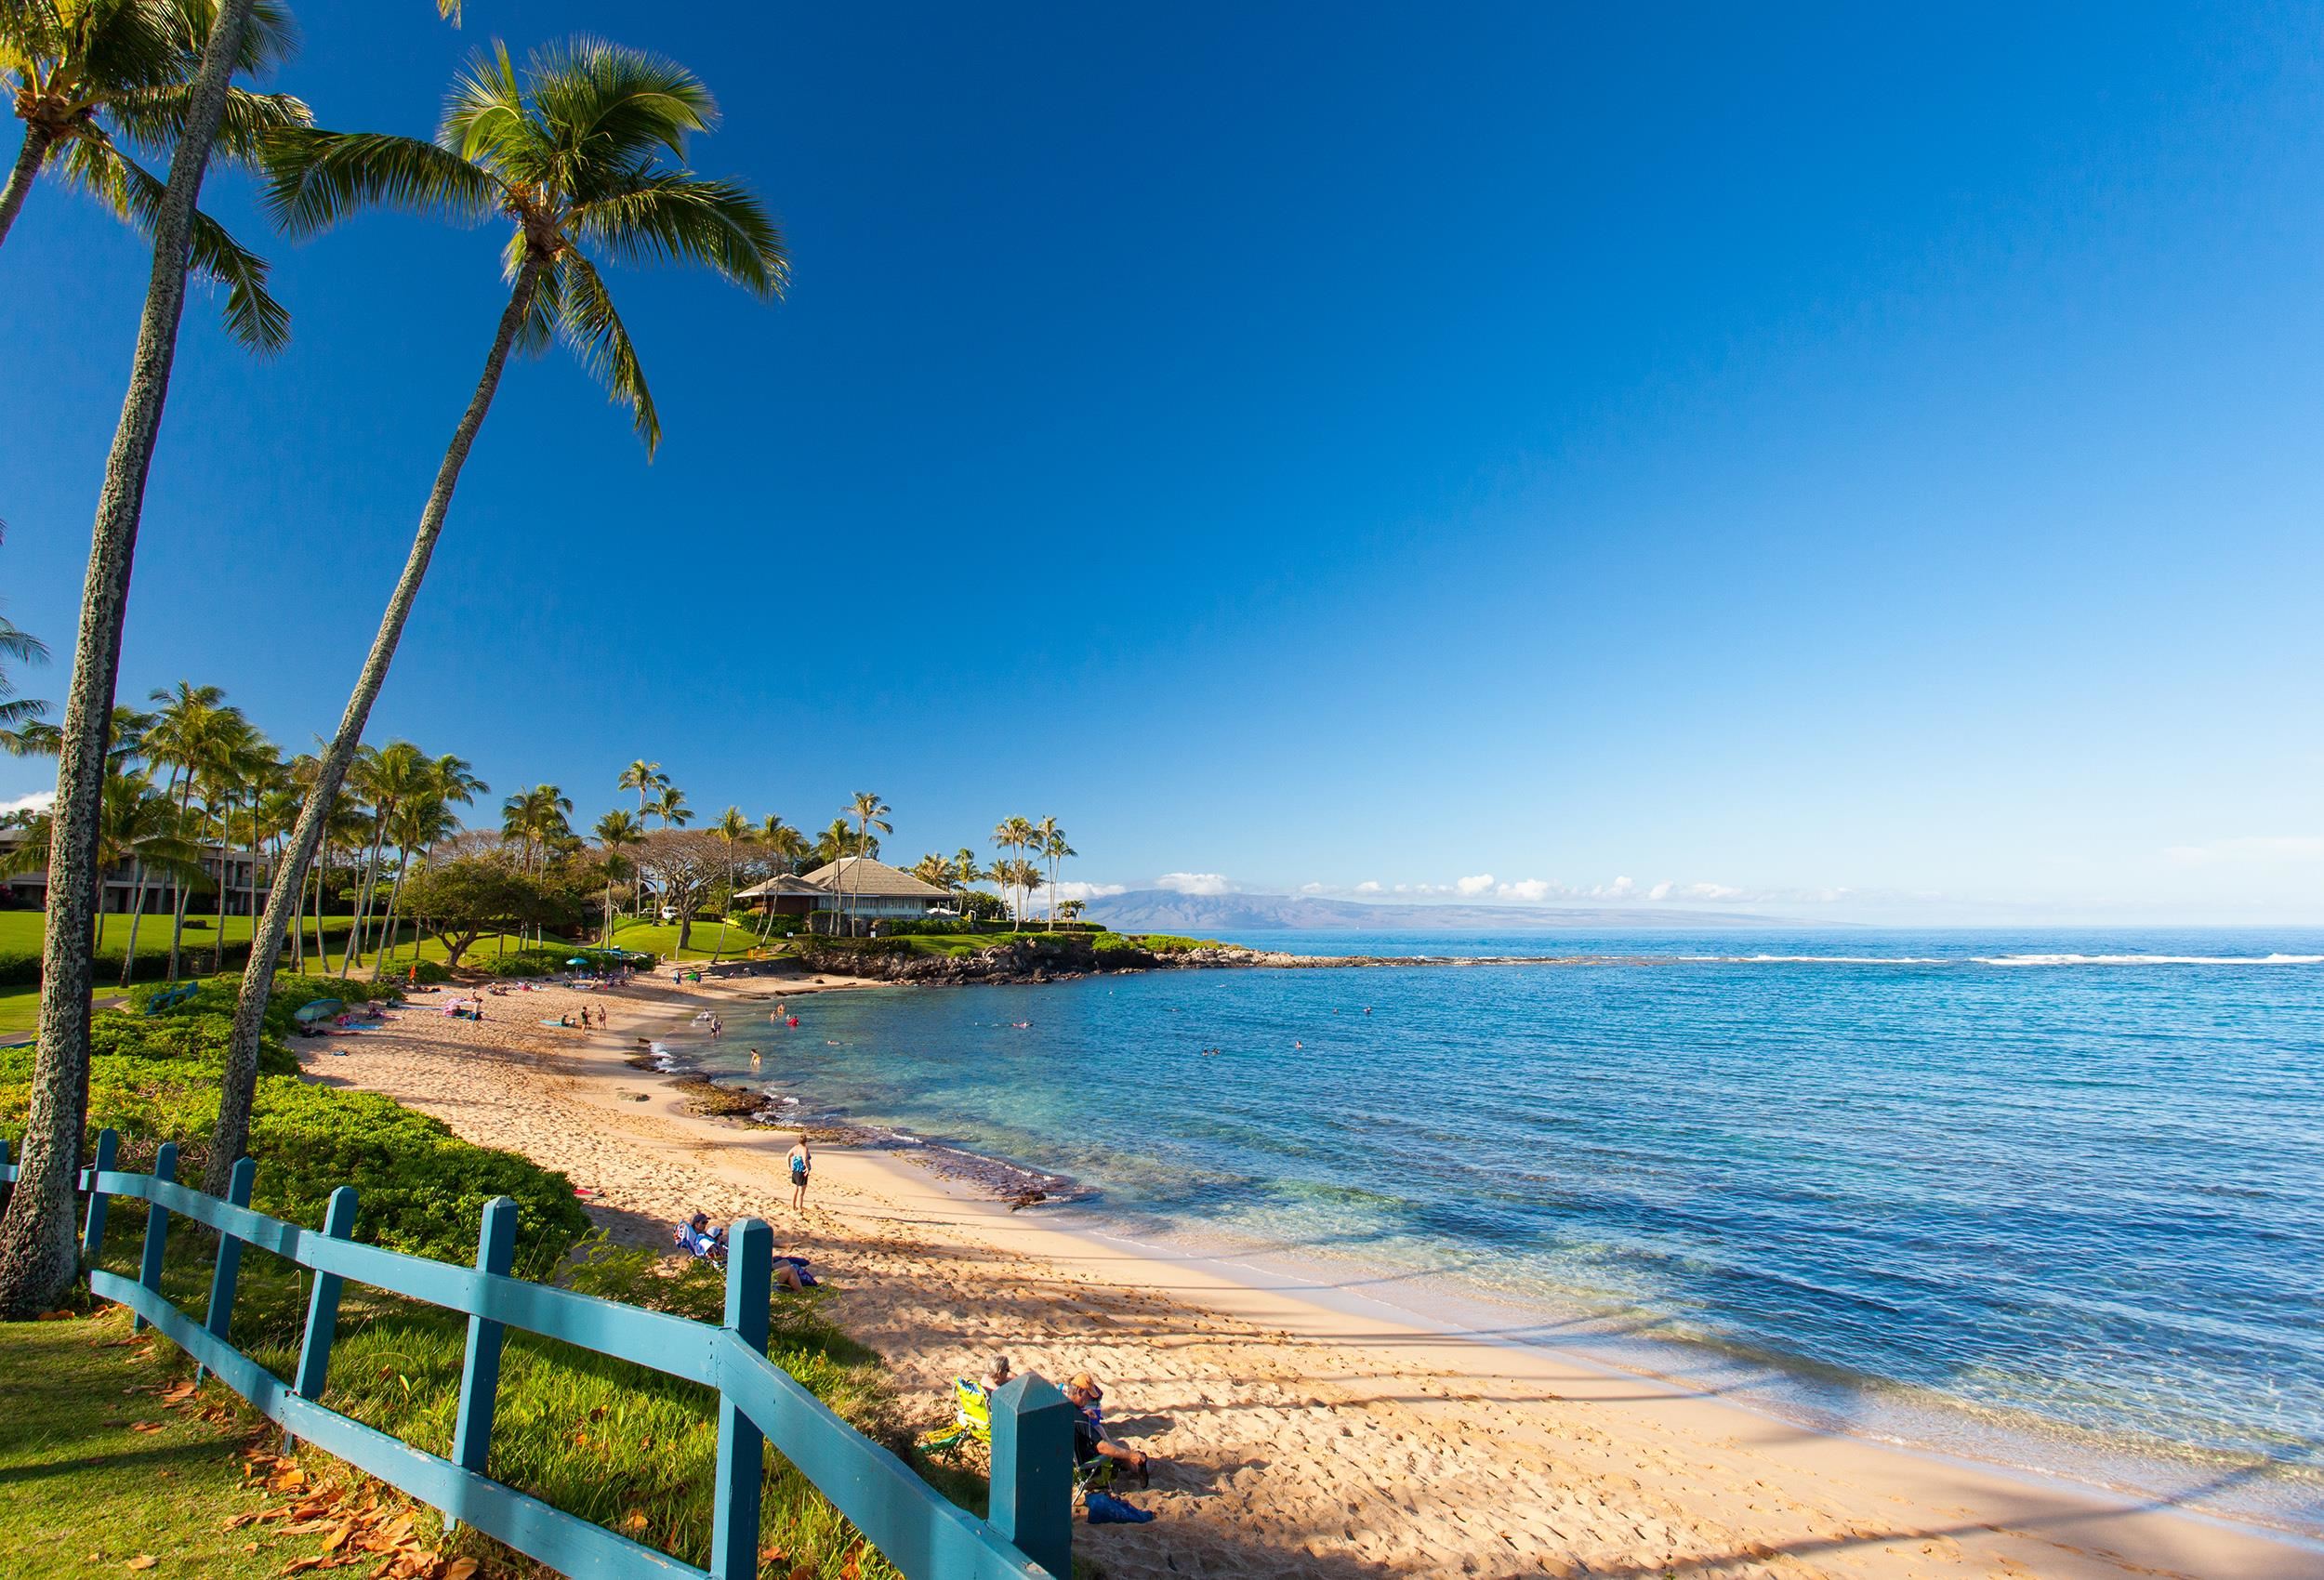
867, 890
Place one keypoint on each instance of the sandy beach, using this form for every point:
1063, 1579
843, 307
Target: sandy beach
1289, 1437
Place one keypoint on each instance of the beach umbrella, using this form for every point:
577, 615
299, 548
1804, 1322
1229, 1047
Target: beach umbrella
321, 1009
578, 960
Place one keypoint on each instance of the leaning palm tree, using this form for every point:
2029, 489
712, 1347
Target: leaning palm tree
583, 153
37, 1243
85, 76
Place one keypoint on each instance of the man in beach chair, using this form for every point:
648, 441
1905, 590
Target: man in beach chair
1096, 1457
696, 1238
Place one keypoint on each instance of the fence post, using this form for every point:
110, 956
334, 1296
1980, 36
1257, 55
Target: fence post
1033, 1485
93, 1230
742, 1458
322, 1307
156, 1229
479, 1379
228, 1272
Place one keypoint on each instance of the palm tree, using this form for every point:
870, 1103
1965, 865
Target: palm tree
1013, 834
583, 153
1049, 843
869, 812
932, 869
246, 759
21, 732
80, 72
645, 778
616, 831
385, 777
204, 742
418, 824
733, 828
670, 807
788, 846
964, 871
37, 1245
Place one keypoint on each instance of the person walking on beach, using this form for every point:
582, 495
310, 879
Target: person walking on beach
802, 1162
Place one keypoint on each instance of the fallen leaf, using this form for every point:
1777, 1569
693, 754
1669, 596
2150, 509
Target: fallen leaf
338, 1535
460, 1569
177, 1392
145, 1426
634, 1521
143, 1560
804, 1572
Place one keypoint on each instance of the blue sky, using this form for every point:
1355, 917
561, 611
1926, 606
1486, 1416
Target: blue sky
1828, 464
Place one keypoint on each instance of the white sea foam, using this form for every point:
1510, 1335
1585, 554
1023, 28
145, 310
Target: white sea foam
2150, 959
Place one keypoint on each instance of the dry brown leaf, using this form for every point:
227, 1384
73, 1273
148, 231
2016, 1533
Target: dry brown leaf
460, 1569
145, 1426
634, 1521
300, 1565
143, 1560
804, 1572
178, 1391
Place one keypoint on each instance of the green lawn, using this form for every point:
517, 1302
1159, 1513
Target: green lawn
661, 939
102, 1473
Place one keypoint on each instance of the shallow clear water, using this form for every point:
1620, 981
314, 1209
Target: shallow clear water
2012, 1174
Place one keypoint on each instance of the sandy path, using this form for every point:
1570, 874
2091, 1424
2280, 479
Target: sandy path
1289, 1439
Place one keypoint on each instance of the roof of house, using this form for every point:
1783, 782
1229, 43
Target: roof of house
863, 876
782, 883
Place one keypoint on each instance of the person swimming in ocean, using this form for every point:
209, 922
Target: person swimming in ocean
754, 1058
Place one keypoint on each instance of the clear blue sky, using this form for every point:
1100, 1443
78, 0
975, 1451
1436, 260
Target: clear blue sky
1327, 445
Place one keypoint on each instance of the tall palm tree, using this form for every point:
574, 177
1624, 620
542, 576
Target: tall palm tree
670, 807
1013, 834
204, 742
85, 75
615, 832
1049, 844
964, 871
453, 779
384, 777
417, 824
869, 812
38, 1257
788, 846
585, 152
246, 759
733, 828
646, 779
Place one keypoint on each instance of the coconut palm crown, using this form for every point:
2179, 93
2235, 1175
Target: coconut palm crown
582, 153
86, 76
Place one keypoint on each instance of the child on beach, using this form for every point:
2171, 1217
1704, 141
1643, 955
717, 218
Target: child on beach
802, 1161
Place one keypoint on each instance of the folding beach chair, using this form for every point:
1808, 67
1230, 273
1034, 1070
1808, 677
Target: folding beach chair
972, 1420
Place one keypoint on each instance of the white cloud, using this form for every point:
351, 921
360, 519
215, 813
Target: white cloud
35, 802
1313, 889
1070, 890
1369, 885
1711, 892
1531, 888
1620, 888
1477, 885
1660, 890
2257, 848
1195, 883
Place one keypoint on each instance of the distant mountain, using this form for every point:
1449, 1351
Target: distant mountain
1166, 910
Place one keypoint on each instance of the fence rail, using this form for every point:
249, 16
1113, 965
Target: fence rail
1027, 1535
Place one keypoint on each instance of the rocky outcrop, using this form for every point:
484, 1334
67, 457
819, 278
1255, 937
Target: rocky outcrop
1017, 960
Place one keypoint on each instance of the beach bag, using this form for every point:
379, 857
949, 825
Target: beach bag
1107, 1509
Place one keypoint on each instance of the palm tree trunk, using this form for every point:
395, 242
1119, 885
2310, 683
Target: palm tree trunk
29, 159
265, 946
362, 896
177, 884
225, 871
37, 1250
136, 910
386, 933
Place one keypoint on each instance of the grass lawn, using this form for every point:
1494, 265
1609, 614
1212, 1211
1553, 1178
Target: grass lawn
661, 939
103, 1474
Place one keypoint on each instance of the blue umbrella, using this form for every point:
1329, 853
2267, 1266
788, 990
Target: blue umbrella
321, 1009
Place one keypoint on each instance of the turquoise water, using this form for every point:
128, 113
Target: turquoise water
2041, 1182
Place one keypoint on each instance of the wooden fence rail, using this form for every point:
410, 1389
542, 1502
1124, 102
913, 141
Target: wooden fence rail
1027, 1536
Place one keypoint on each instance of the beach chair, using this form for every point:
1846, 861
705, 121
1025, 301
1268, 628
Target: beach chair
972, 1420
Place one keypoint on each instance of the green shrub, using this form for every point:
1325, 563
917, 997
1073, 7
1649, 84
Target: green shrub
426, 971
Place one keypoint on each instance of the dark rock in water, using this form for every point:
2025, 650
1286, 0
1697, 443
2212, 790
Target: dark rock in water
1024, 1199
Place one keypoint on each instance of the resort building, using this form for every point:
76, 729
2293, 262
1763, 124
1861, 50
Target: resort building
248, 874
867, 891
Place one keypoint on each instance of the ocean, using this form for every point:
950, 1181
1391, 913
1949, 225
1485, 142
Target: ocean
2054, 1200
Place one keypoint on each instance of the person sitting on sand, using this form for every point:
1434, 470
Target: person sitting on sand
695, 1237
1089, 1439
802, 1162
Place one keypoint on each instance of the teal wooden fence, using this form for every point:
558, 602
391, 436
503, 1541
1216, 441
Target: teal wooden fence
1027, 1535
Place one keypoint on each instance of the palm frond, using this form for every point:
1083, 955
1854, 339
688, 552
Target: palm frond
120, 47
485, 119
679, 216
251, 315
268, 40
314, 179
21, 712
611, 107
155, 118
595, 332
22, 646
